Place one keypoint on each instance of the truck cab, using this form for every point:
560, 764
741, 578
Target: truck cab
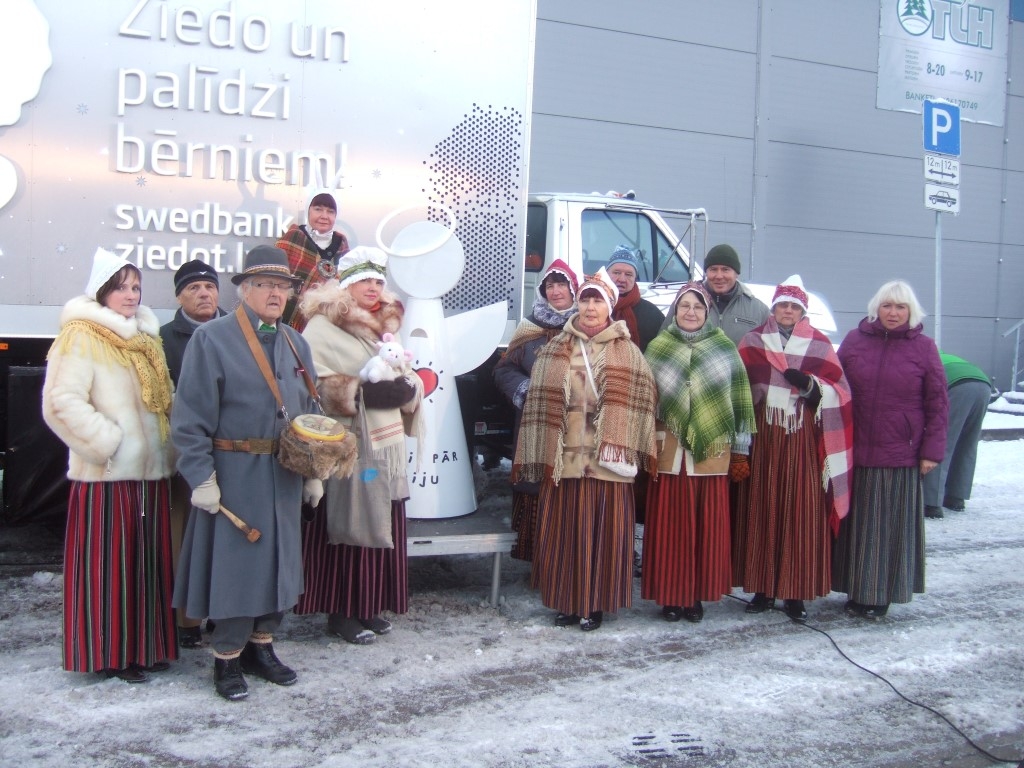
584, 230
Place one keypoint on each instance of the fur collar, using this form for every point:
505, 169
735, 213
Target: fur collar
85, 308
340, 309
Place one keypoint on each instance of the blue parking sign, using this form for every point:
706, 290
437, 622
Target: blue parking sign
942, 128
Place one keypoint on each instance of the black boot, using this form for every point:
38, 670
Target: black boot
227, 676
954, 502
795, 609
259, 659
130, 674
694, 613
760, 603
350, 629
190, 637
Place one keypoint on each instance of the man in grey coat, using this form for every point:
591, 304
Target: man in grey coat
225, 425
734, 308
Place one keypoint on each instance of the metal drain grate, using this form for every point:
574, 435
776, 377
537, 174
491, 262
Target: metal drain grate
656, 745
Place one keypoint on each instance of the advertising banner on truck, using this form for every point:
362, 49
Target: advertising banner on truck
169, 131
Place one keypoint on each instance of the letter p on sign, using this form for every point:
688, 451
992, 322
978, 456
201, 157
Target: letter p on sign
942, 128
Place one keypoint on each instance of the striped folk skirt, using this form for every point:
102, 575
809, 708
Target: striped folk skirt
787, 545
117, 576
879, 555
686, 540
354, 581
583, 560
524, 523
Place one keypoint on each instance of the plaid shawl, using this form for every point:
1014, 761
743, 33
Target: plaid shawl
303, 256
810, 351
703, 392
545, 321
625, 409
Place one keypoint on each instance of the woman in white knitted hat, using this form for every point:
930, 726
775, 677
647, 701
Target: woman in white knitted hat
108, 397
347, 316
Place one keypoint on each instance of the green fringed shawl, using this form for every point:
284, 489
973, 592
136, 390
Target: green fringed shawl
703, 392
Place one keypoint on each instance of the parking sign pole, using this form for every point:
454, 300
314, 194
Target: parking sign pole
938, 280
941, 121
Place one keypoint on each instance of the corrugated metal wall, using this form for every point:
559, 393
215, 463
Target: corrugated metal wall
764, 114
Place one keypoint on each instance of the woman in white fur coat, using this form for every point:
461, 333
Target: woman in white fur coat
347, 316
107, 395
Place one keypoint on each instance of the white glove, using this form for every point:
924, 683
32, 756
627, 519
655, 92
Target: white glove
312, 491
206, 495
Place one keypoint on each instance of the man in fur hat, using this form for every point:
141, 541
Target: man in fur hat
240, 383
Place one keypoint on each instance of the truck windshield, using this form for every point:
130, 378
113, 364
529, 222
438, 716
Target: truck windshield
603, 231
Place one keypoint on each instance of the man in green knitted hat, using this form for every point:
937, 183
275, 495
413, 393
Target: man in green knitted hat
734, 307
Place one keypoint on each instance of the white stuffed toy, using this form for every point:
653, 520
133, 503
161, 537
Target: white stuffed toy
389, 363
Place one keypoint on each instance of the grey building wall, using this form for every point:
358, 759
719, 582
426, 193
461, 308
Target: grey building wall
764, 114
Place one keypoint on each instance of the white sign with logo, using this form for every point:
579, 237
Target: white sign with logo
943, 49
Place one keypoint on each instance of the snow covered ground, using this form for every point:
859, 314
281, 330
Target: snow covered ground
1008, 403
459, 683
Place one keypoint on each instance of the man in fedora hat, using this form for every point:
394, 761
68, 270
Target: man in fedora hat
226, 422
197, 289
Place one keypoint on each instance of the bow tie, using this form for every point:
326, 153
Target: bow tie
264, 328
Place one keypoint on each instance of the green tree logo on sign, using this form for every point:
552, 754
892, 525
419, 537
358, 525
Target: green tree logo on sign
916, 16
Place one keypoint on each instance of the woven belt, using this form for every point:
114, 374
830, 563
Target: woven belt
252, 445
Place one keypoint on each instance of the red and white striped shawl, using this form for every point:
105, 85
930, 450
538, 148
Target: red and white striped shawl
810, 351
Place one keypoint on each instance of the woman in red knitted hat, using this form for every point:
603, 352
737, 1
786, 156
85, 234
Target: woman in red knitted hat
555, 303
800, 461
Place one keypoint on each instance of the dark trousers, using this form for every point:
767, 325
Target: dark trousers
232, 634
968, 402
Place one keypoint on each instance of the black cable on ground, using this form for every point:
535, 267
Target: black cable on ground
1018, 760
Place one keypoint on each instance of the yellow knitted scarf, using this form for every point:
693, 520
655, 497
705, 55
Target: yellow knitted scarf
143, 352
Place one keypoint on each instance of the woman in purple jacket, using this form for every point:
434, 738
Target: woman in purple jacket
899, 435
